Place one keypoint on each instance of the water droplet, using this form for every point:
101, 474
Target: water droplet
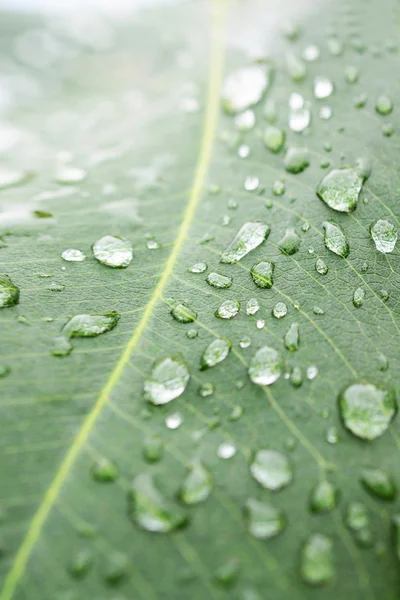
274, 138
251, 183
200, 267
325, 113
292, 337
153, 245
360, 101
265, 367
81, 563
317, 310
245, 342
387, 130
237, 412
245, 120
358, 297
296, 377
69, 175
384, 235
351, 74
183, 313
4, 371
219, 281
384, 105
278, 188
83, 326
104, 470
271, 469
113, 251
312, 372
9, 292
250, 236
384, 295
332, 435
11, 177
299, 119
244, 88
357, 520
243, 151
317, 566
197, 485
296, 67
311, 53
270, 111
262, 274
340, 189
116, 568
323, 87
264, 521
324, 497
335, 240
367, 410
227, 574
216, 352
226, 450
383, 362
252, 306
206, 389
174, 420
228, 309
152, 449
378, 483
280, 310
335, 46
72, 255
168, 380
151, 510
296, 160
321, 267
290, 243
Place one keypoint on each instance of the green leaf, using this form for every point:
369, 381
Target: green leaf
127, 465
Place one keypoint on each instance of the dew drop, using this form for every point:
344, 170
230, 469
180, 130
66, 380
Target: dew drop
358, 297
251, 183
228, 309
243, 151
262, 274
116, 568
274, 138
9, 292
227, 574
296, 160
199, 267
245, 121
321, 267
324, 497
72, 255
260, 323
216, 352
183, 313
197, 485
292, 337
378, 483
152, 449
351, 74
358, 521
270, 111
290, 243
340, 189
271, 469
4, 371
206, 389
332, 435
168, 380
299, 119
384, 235
317, 567
81, 563
323, 87
384, 105
226, 450
296, 377
312, 372
104, 470
250, 236
174, 420
367, 410
11, 177
69, 175
264, 521
311, 53
252, 306
297, 69
265, 367
335, 240
219, 281
325, 113
244, 88
113, 251
245, 342
280, 310
83, 326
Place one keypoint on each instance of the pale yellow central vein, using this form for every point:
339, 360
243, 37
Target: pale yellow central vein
210, 123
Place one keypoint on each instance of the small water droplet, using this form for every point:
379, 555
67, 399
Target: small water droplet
265, 367
245, 342
358, 521
244, 88
206, 389
278, 188
81, 563
280, 310
104, 470
296, 68
384, 235
113, 251
367, 410
168, 380
264, 521
335, 240
250, 236
9, 292
227, 574
351, 74
151, 510
324, 497
358, 297
274, 138
296, 377
252, 306
340, 189
271, 469
270, 111
317, 310
183, 313
312, 372
116, 568
317, 567
216, 352
174, 420
197, 485
321, 267
384, 105
296, 159
199, 267
292, 337
332, 435
4, 371
290, 243
251, 183
378, 483
243, 151
228, 309
219, 281
69, 175
260, 323
360, 101
323, 87
383, 362
335, 46
311, 53
152, 449
325, 113
245, 121
226, 450
299, 119
72, 255
262, 274
12, 177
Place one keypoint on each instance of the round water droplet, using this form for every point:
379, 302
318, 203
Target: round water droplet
271, 469
104, 470
358, 297
378, 483
317, 567
168, 380
72, 255
321, 267
197, 485
244, 88
252, 306
324, 497
262, 274
384, 235
335, 240
265, 367
351, 74
219, 281
174, 421
245, 120
290, 243
228, 309
69, 175
260, 323
200, 267
312, 372
183, 313
81, 563
113, 251
367, 410
227, 574
226, 450
274, 138
116, 568
280, 310
152, 449
216, 352
340, 189
264, 521
206, 389
245, 342
9, 292
296, 159
251, 183
323, 87
332, 435
299, 119
243, 151
384, 105
192, 333
311, 53
325, 113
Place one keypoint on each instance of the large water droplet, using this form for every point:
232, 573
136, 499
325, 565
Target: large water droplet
264, 521
83, 326
335, 240
274, 138
183, 313
384, 235
244, 88
340, 189
296, 159
324, 497
9, 292
317, 567
271, 469
197, 485
367, 410
113, 251
168, 380
265, 367
292, 337
249, 237
378, 483
215, 352
228, 309
290, 243
262, 274
151, 510
219, 281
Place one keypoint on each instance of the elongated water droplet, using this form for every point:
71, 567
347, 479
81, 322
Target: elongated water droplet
11, 177
384, 235
219, 281
151, 510
340, 189
200, 267
83, 326
321, 267
152, 449
358, 521
264, 521
228, 309
197, 485
113, 251
271, 469
367, 410
183, 313
252, 306
324, 497
384, 105
249, 237
69, 175
72, 255
290, 243
168, 380
104, 470
274, 138
378, 483
262, 274
323, 87
4, 371
297, 69
215, 352
358, 297
266, 366
317, 567
280, 310
292, 337
335, 240
296, 377
244, 88
9, 292
296, 160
